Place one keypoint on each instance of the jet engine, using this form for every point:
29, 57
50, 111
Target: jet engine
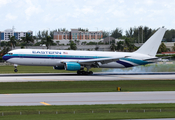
72, 66
59, 67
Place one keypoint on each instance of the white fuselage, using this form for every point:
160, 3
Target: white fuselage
39, 57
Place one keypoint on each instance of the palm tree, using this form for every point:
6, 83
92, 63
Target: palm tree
47, 41
112, 47
128, 45
120, 46
4, 51
72, 45
117, 33
130, 33
83, 43
27, 39
162, 48
57, 43
12, 41
78, 41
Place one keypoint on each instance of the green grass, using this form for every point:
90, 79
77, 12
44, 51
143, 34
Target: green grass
30, 69
97, 116
38, 69
86, 86
85, 112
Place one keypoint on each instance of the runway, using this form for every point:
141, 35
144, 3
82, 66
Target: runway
35, 77
87, 98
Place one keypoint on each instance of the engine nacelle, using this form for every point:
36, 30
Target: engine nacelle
72, 66
59, 67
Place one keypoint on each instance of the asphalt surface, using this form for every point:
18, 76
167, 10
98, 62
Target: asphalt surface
87, 98
95, 77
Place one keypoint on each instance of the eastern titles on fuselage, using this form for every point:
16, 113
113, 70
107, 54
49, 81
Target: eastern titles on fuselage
46, 52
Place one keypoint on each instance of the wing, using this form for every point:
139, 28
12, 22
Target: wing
101, 60
96, 61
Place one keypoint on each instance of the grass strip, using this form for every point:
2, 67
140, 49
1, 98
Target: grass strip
71, 112
38, 69
86, 86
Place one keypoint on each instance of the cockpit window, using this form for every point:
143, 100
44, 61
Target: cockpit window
10, 53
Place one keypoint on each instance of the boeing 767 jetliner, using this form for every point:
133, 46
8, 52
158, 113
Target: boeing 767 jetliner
78, 60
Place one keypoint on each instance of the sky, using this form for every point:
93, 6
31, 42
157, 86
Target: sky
95, 15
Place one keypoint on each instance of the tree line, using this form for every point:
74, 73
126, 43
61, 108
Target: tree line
132, 35
139, 34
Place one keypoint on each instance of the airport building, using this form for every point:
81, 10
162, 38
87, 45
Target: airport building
76, 34
4, 35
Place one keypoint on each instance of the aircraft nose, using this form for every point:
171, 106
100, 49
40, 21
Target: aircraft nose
5, 57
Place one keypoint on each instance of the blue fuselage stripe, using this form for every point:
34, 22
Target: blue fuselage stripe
7, 57
136, 61
125, 64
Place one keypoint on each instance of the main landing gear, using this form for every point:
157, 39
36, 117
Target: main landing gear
79, 72
15, 70
84, 72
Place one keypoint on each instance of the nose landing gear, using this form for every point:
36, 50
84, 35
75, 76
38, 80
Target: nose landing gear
15, 70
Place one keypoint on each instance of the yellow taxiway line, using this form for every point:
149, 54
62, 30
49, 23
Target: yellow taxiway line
45, 103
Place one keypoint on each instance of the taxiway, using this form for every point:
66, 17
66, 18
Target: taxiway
87, 98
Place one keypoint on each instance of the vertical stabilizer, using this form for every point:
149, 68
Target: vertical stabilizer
151, 46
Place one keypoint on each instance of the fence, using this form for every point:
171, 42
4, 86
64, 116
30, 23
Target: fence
80, 112
5, 63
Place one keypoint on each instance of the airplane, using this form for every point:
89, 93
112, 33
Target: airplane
78, 60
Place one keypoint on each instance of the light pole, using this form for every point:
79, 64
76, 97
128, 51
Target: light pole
138, 35
48, 29
109, 38
142, 35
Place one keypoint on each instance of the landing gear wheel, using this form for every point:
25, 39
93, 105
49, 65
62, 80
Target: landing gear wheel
90, 73
79, 72
15, 66
15, 70
84, 72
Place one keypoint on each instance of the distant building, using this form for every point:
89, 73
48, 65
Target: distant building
107, 39
112, 39
168, 53
4, 35
76, 34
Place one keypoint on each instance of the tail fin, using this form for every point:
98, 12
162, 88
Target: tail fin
151, 46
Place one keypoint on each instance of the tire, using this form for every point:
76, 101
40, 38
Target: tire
15, 70
90, 73
79, 72
83, 73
